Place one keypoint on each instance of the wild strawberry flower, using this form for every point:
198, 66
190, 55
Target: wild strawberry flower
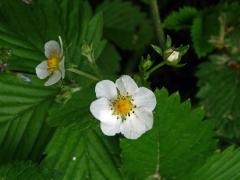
53, 67
123, 107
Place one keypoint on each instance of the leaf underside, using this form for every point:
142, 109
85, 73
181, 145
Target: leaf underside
219, 88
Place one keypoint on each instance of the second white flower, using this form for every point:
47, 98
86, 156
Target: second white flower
54, 65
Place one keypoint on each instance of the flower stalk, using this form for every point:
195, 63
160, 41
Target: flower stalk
81, 73
157, 23
156, 67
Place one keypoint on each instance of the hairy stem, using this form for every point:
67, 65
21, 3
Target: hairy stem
156, 67
81, 73
157, 23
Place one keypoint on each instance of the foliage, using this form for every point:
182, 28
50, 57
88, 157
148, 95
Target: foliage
216, 28
80, 152
178, 132
201, 33
125, 24
219, 94
204, 25
26, 171
49, 132
181, 19
23, 111
221, 165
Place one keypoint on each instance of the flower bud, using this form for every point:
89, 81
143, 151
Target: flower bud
172, 57
87, 51
146, 63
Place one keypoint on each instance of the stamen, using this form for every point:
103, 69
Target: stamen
123, 106
53, 62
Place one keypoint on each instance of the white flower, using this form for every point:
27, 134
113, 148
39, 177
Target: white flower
123, 107
54, 65
174, 56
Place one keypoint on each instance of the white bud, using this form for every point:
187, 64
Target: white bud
173, 56
27, 1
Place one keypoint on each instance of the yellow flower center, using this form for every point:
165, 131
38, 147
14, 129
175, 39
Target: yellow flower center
53, 62
123, 106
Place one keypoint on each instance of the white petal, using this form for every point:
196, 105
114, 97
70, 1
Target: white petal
111, 129
106, 89
126, 84
62, 67
50, 47
54, 78
145, 116
174, 56
61, 46
42, 70
145, 98
101, 110
132, 127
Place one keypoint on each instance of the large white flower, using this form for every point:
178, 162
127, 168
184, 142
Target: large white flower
123, 107
54, 65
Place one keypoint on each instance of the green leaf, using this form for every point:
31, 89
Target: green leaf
72, 21
178, 143
23, 132
25, 171
221, 166
109, 61
80, 152
181, 19
125, 24
207, 25
72, 111
27, 40
94, 34
219, 93
202, 29
24, 106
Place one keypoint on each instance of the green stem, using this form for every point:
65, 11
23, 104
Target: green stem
81, 73
156, 67
157, 23
96, 69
